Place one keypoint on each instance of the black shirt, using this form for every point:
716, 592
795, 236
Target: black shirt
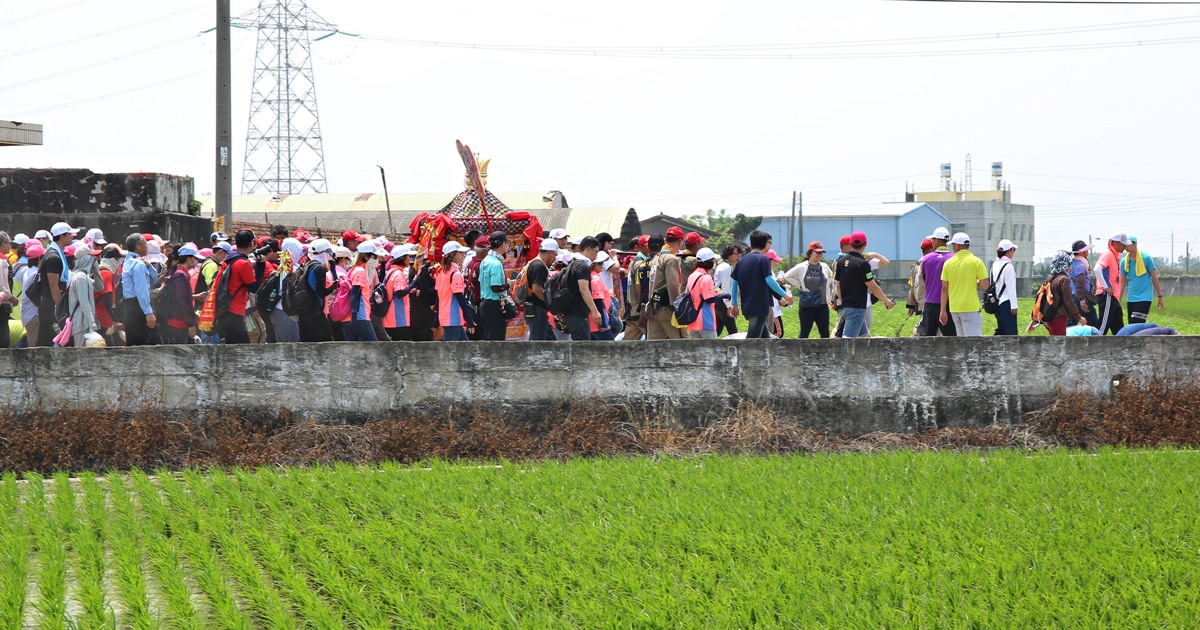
579, 270
536, 274
854, 272
51, 263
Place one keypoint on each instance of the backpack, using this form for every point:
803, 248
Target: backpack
381, 300
269, 293
297, 295
33, 286
1044, 307
684, 308
160, 300
522, 291
339, 304
224, 299
560, 295
639, 284
991, 301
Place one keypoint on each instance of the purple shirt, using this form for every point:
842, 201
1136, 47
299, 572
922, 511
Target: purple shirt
931, 270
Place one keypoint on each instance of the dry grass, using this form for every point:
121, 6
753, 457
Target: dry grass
1150, 412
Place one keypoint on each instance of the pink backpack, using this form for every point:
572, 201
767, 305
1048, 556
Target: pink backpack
339, 304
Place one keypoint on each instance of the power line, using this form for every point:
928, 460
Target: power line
110, 94
142, 51
102, 33
1057, 1
42, 12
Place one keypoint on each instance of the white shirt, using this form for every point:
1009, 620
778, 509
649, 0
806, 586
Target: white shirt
1006, 281
723, 276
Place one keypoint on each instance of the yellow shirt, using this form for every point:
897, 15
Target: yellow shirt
963, 272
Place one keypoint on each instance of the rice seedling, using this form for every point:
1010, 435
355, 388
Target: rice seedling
14, 554
166, 566
88, 542
130, 579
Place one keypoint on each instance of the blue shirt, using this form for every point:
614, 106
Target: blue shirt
753, 285
491, 274
136, 280
1079, 268
1138, 288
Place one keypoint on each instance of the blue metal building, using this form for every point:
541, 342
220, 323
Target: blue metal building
893, 229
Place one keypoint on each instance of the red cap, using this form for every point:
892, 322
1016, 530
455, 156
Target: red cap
816, 246
351, 235
482, 242
674, 233
643, 240
149, 237
845, 240
692, 238
263, 240
926, 244
303, 236
858, 237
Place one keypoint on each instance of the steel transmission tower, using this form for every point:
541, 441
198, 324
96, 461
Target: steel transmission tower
284, 153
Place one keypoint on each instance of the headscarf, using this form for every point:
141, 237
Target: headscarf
1060, 263
294, 251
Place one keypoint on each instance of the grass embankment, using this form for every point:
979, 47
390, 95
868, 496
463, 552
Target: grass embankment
1181, 313
1002, 539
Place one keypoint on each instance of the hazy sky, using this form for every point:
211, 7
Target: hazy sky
663, 106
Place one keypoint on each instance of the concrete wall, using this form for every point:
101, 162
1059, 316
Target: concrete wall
70, 191
837, 385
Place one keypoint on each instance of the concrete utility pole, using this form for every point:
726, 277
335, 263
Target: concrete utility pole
792, 230
223, 194
383, 176
800, 216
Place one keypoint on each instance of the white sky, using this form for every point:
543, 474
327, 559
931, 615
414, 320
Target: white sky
1100, 140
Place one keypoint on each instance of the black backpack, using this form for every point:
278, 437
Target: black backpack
380, 300
269, 293
297, 295
991, 301
161, 302
224, 299
684, 307
560, 295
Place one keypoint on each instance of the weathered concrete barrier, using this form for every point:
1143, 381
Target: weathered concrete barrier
834, 385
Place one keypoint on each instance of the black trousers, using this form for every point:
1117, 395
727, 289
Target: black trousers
174, 336
5, 331
494, 325
930, 325
314, 326
403, 333
724, 320
818, 315
422, 330
136, 331
1139, 312
231, 327
1111, 317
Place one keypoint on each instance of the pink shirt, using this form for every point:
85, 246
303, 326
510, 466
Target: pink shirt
398, 314
701, 287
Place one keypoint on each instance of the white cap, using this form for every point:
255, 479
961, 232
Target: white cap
601, 256
961, 238
549, 245
320, 246
187, 250
1006, 245
564, 257
705, 254
20, 239
224, 246
97, 235
558, 233
577, 240
401, 251
452, 247
1121, 238
366, 247
40, 234
941, 234
61, 228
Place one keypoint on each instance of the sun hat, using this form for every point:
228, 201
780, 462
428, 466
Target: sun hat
1078, 247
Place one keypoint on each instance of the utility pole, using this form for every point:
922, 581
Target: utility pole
224, 191
383, 176
792, 231
800, 216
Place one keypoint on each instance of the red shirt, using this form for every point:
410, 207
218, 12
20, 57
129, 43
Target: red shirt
103, 317
242, 274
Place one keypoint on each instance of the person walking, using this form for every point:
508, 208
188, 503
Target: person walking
637, 290
30, 319
180, 322
1004, 278
1080, 273
137, 280
231, 325
583, 309
931, 275
814, 280
396, 322
703, 292
359, 328
1140, 278
317, 285
754, 286
600, 324
962, 274
723, 277
537, 274
915, 300
493, 288
454, 311
1109, 285
1060, 292
666, 281
81, 296
856, 280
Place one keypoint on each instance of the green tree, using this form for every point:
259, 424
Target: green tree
729, 229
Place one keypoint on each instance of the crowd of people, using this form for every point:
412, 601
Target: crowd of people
58, 288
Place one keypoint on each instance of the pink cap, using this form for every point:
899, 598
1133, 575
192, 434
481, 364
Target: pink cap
34, 249
773, 256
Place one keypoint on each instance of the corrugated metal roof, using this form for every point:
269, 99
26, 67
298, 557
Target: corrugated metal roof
592, 221
882, 210
363, 202
375, 221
